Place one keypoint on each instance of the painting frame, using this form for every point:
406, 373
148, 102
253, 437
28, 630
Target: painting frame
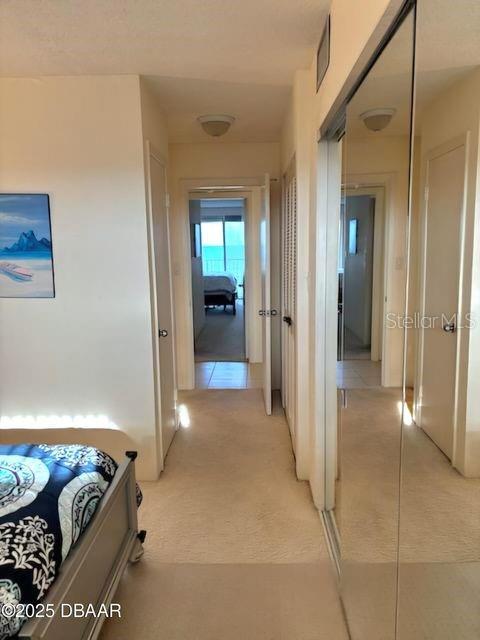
46, 254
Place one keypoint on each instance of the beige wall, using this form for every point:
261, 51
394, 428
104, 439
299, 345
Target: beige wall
88, 351
190, 162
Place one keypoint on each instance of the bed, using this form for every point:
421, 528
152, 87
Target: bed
220, 289
68, 527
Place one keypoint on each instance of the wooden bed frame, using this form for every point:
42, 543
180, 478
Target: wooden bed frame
92, 570
218, 298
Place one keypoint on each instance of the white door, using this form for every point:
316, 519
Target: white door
443, 221
266, 298
165, 363
289, 266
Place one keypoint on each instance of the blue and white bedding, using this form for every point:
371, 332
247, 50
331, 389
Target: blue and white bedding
48, 495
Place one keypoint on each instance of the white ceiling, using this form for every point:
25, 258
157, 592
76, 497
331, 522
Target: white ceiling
259, 108
222, 56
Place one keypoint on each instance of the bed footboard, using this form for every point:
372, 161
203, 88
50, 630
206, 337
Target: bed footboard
91, 573
221, 298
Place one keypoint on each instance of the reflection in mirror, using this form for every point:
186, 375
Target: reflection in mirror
439, 552
371, 283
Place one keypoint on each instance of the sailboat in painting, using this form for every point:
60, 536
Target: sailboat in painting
26, 261
15, 271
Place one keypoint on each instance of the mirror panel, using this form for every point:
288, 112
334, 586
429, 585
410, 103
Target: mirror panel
372, 283
439, 551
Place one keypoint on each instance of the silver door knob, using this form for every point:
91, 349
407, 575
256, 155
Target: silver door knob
163, 333
450, 327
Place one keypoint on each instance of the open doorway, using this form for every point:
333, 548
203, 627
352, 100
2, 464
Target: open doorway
217, 228
252, 368
218, 237
360, 285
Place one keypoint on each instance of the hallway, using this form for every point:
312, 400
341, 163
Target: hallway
223, 336
235, 547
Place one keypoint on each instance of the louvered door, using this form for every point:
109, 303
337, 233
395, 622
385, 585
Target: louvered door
289, 282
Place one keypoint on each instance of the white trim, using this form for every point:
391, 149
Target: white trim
265, 261
325, 335
150, 152
153, 307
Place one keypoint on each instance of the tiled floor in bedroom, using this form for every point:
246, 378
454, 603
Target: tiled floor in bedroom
228, 375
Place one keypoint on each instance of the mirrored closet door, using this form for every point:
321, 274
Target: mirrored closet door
403, 466
372, 268
439, 551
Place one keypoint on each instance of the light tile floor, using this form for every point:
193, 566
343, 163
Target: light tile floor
228, 375
358, 374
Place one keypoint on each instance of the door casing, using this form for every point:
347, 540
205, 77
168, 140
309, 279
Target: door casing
450, 145
265, 260
247, 188
152, 154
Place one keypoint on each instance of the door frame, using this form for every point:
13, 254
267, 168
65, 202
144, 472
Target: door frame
461, 333
266, 291
151, 152
246, 196
380, 258
390, 183
233, 186
328, 199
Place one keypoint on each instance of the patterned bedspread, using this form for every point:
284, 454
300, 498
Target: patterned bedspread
48, 495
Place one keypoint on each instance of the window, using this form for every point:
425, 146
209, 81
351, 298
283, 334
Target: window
235, 249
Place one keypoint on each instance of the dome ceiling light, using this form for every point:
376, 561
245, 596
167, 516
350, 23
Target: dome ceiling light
377, 119
216, 125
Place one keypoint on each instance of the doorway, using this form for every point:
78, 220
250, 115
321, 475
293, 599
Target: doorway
217, 228
358, 228
226, 288
361, 267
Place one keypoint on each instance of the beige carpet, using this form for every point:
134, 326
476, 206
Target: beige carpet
428, 517
223, 336
439, 513
235, 548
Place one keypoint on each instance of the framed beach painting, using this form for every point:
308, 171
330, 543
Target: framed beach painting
26, 259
